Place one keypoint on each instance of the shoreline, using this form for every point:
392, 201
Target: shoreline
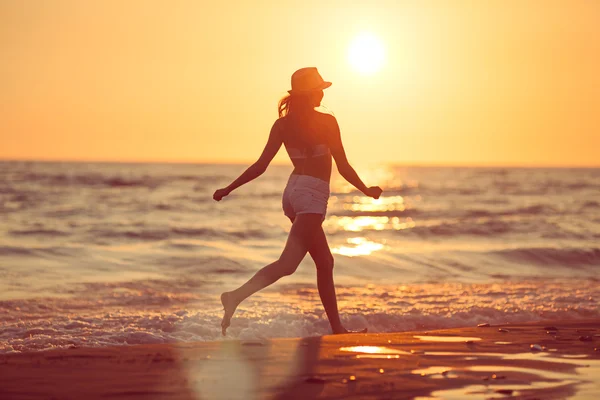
475, 361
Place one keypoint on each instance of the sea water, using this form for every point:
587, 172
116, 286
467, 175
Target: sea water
96, 254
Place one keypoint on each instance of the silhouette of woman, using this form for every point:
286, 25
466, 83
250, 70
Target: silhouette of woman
310, 138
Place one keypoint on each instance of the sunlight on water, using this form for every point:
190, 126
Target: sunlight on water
373, 350
367, 204
449, 339
362, 223
384, 175
435, 372
90, 242
357, 224
540, 370
380, 356
362, 247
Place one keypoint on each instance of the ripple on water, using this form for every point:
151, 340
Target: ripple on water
542, 375
448, 339
436, 372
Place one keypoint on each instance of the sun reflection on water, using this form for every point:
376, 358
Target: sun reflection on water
367, 204
362, 247
373, 350
358, 224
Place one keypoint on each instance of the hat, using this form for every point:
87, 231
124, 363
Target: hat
307, 80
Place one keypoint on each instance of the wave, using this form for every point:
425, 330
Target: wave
567, 257
593, 205
14, 251
537, 209
545, 187
179, 232
43, 252
388, 191
411, 212
114, 181
580, 185
463, 228
195, 327
6, 190
38, 232
118, 313
90, 179
514, 187
224, 234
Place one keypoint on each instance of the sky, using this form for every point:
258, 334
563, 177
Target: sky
498, 82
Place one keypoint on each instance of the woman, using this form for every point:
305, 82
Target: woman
311, 138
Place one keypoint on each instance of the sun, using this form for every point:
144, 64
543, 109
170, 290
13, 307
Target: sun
366, 53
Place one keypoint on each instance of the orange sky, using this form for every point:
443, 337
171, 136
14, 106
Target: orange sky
469, 82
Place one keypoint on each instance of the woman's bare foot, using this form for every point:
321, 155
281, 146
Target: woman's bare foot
229, 306
344, 330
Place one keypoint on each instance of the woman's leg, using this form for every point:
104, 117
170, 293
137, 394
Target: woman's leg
321, 254
300, 238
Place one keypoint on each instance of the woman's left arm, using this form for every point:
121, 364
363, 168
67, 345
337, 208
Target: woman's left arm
258, 168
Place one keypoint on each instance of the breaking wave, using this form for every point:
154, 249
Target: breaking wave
126, 314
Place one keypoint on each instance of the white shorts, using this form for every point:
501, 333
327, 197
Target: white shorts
305, 194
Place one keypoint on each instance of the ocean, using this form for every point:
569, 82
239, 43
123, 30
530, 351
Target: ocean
99, 254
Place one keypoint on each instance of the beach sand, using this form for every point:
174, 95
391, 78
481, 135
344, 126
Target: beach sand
466, 363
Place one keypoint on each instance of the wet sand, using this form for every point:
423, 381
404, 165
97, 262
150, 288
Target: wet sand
466, 363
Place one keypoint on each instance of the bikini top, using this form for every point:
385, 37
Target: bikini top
307, 150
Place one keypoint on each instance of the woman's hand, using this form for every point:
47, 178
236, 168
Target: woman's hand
374, 192
220, 193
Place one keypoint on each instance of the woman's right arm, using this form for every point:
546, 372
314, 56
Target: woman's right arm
259, 167
341, 161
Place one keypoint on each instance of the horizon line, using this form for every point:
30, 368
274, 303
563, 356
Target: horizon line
281, 163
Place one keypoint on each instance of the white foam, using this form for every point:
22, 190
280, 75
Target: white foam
163, 312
